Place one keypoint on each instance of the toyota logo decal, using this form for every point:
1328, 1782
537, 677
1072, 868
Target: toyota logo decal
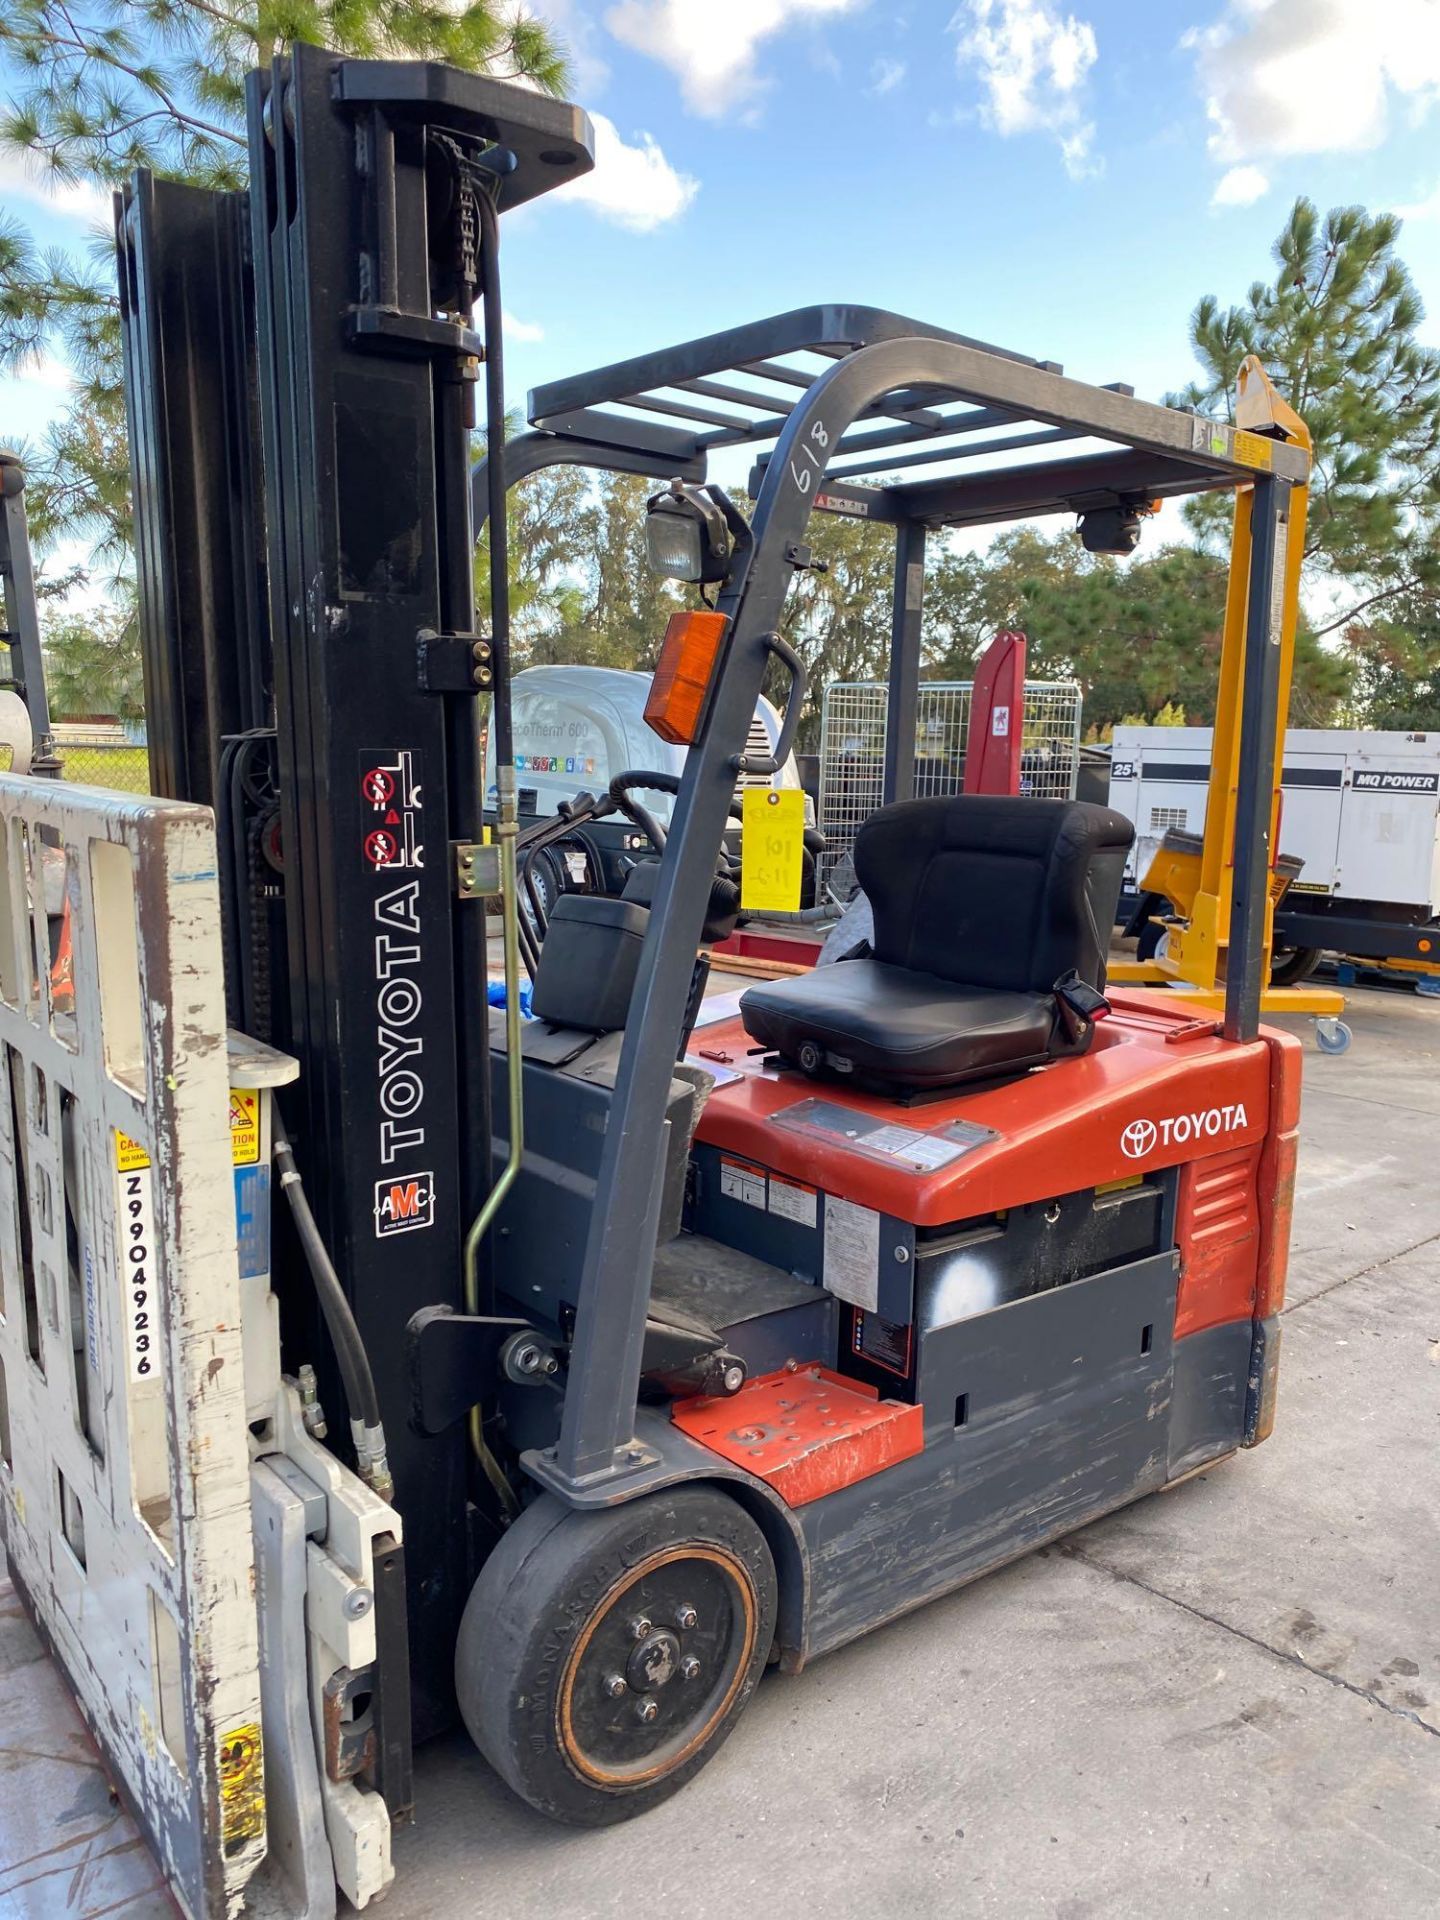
1138, 1138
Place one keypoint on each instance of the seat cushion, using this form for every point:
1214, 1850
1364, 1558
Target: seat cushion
895, 1026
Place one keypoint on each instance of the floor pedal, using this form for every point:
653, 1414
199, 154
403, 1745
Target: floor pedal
804, 1431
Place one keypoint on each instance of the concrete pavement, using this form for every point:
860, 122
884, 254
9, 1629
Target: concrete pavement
1223, 1700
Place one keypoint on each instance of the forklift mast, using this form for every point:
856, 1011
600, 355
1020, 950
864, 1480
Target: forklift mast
352, 685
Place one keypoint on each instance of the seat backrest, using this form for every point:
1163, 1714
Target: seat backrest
994, 892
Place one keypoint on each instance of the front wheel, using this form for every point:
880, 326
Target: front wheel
1290, 965
603, 1657
1154, 939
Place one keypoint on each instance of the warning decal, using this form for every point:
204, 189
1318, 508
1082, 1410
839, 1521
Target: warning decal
244, 1126
743, 1183
129, 1154
242, 1787
390, 787
852, 1253
794, 1202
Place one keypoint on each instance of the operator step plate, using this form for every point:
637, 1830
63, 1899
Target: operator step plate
804, 1431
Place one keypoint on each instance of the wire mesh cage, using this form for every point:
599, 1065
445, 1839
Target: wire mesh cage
852, 754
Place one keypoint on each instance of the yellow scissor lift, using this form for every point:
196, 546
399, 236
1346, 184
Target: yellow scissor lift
1198, 884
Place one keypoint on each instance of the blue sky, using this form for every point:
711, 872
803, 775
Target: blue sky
1064, 179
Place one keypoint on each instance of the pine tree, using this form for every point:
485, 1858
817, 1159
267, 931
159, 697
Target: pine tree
98, 88
1336, 331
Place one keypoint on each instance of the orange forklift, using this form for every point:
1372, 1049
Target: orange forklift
968, 1249
677, 1336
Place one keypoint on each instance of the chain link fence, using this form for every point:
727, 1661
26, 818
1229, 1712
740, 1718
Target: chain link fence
852, 753
103, 755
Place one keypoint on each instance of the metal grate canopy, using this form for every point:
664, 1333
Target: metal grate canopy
739, 387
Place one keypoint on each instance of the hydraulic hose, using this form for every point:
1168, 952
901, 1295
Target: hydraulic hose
366, 1429
507, 821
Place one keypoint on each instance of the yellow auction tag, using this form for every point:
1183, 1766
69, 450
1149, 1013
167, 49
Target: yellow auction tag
772, 848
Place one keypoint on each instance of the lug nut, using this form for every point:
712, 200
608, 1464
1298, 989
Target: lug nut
647, 1711
639, 1628
615, 1685
689, 1668
686, 1617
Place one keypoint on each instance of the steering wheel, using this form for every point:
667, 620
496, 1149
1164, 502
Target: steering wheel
640, 816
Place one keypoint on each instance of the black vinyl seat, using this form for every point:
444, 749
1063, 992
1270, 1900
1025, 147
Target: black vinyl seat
992, 919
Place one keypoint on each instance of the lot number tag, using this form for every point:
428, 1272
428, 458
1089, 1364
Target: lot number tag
771, 849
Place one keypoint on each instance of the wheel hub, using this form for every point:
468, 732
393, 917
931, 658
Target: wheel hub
656, 1665
654, 1662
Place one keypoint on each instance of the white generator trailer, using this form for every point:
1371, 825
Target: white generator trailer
1360, 812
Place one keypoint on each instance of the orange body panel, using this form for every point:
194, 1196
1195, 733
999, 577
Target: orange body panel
1157, 1088
1277, 1175
1217, 1229
805, 1432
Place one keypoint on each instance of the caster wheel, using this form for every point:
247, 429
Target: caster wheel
809, 1058
604, 1657
1332, 1036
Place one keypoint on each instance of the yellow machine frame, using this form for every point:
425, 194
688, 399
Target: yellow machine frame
1198, 885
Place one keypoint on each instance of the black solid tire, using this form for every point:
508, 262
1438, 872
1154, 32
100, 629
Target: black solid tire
1148, 943
1290, 965
541, 1594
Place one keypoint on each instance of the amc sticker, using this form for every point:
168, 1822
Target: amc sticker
135, 1220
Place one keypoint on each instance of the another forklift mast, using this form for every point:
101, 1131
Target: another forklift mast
22, 619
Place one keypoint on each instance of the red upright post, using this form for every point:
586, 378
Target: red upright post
997, 718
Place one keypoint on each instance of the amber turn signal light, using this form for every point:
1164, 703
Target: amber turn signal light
680, 690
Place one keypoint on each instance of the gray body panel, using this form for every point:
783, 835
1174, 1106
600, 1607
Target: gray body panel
1066, 1418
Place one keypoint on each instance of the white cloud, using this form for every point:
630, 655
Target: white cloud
710, 45
1240, 187
1033, 62
886, 75
636, 187
1426, 209
523, 330
575, 30
20, 179
1287, 77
